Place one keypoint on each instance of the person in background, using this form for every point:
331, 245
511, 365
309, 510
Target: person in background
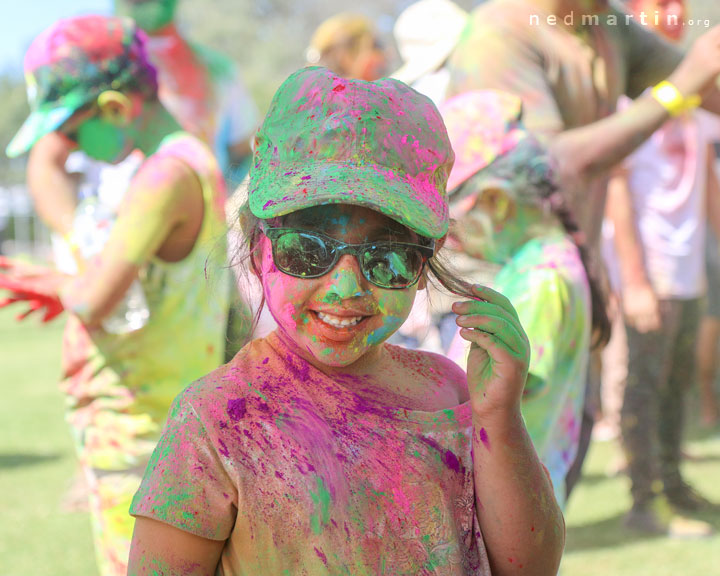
348, 44
426, 33
91, 84
201, 88
658, 204
508, 211
569, 61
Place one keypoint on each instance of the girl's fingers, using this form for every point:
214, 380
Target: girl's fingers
485, 311
33, 306
505, 332
491, 344
487, 294
487, 299
51, 314
12, 300
478, 308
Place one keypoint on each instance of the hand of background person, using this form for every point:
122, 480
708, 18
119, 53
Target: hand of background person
699, 70
497, 364
35, 286
641, 308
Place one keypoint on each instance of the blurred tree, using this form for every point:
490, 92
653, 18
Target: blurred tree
268, 38
13, 112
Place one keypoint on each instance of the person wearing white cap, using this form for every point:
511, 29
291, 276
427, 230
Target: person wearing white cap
426, 33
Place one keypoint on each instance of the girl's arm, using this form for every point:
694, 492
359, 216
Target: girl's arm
163, 208
52, 189
712, 195
639, 302
159, 549
521, 522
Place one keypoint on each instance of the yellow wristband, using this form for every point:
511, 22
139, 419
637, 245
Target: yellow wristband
669, 97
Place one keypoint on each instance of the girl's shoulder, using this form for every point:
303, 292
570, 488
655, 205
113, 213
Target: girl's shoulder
249, 372
430, 371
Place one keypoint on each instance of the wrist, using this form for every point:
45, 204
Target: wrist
641, 284
497, 417
672, 99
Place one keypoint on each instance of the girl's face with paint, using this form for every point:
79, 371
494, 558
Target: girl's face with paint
339, 317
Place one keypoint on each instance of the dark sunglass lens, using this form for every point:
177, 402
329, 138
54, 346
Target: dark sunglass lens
301, 254
392, 267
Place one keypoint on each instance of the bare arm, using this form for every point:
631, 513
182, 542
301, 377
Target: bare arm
162, 211
159, 549
591, 150
52, 189
639, 302
521, 522
713, 192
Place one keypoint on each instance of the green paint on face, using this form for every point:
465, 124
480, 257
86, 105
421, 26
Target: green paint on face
101, 140
321, 504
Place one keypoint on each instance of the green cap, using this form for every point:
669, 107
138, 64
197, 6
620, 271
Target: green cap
329, 140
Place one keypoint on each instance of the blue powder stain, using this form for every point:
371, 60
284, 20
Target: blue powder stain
237, 408
392, 323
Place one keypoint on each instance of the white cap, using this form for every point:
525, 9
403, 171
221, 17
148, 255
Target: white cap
426, 34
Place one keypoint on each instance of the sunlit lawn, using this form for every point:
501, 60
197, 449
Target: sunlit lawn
37, 465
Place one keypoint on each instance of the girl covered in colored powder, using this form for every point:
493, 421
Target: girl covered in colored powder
92, 83
322, 449
509, 212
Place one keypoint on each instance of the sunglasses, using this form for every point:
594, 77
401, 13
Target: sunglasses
386, 264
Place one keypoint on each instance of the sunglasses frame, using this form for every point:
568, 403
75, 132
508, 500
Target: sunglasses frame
338, 248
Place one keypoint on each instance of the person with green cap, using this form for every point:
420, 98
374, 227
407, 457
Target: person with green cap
322, 449
202, 88
90, 82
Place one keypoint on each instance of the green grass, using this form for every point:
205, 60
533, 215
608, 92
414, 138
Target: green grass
37, 461
597, 542
37, 464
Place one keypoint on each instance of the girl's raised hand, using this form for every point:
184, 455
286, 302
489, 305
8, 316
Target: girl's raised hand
497, 364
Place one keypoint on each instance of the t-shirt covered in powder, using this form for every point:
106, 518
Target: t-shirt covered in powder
308, 474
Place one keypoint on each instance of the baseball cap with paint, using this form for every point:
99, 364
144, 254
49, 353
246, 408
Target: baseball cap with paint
329, 140
482, 125
71, 63
494, 150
